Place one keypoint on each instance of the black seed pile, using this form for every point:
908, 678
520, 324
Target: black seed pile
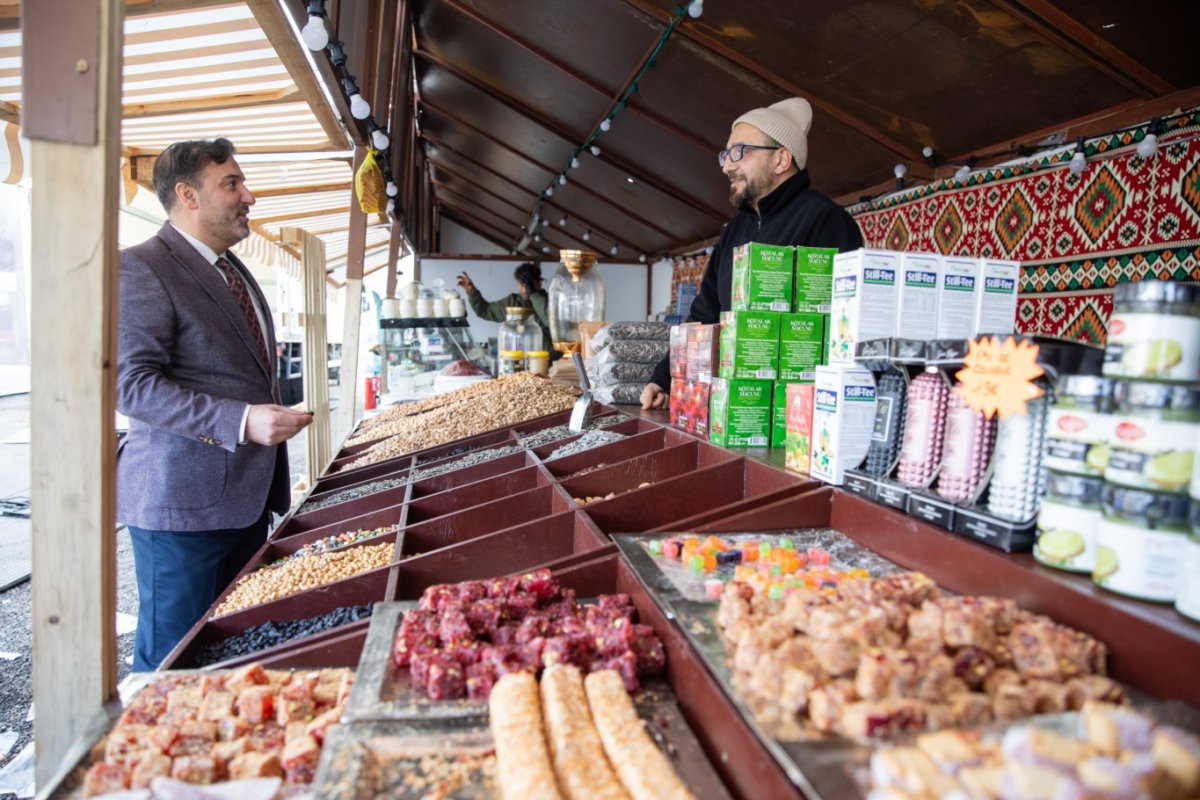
269, 634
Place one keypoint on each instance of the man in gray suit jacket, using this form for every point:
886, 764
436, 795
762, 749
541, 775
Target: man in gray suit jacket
204, 462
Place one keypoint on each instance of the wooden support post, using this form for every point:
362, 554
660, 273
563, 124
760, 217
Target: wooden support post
76, 181
316, 348
355, 251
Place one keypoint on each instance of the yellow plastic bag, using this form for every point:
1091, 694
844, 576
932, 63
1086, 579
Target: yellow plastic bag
370, 185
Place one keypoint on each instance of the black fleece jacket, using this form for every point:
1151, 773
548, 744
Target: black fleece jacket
793, 214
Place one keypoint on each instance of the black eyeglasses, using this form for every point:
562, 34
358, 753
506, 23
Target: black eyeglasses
735, 152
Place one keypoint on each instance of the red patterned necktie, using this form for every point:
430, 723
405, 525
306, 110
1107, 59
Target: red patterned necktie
241, 295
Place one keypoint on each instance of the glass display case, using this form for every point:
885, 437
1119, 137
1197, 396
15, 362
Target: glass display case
415, 350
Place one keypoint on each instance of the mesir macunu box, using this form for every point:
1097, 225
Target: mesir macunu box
814, 280
996, 300
749, 345
678, 403
696, 396
797, 453
864, 300
917, 296
739, 413
843, 421
704, 352
801, 346
762, 277
956, 302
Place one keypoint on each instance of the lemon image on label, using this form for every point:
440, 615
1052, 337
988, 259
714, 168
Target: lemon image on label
1106, 563
1171, 470
1061, 545
1155, 357
1097, 456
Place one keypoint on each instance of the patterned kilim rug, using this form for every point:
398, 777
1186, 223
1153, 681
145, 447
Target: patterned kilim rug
1124, 218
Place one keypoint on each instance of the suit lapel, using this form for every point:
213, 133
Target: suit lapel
214, 285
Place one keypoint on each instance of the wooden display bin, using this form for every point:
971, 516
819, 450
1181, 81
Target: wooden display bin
1151, 647
486, 471
654, 467
440, 530
354, 515
432, 497
648, 442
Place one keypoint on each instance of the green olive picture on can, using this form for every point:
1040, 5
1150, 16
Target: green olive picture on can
1106, 564
1171, 470
1060, 545
1097, 457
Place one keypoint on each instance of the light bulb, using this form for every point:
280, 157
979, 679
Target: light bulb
642, 258
606, 125
562, 180
586, 235
562, 223
1078, 162
1148, 147
392, 189
543, 222
927, 151
315, 34
899, 170
613, 249
574, 163
696, 9
380, 140
391, 207
549, 191
545, 248
595, 151
962, 173
359, 108
537, 237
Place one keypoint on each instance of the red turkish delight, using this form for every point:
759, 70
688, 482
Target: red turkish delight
299, 759
445, 678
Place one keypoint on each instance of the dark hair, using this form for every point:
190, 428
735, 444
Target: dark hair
529, 274
184, 161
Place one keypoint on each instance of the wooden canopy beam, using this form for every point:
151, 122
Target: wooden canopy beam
1067, 33
562, 67
570, 137
192, 105
10, 113
283, 37
456, 215
750, 65
544, 231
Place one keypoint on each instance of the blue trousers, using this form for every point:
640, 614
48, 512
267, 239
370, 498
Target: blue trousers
179, 576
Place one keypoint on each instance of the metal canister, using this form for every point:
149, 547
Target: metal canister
1079, 428
1154, 332
1140, 543
1068, 521
1187, 601
1156, 431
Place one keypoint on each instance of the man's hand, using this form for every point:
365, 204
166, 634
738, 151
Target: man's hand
271, 424
464, 282
653, 396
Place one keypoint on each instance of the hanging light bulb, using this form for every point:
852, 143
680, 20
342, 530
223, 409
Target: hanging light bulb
900, 170
613, 249
562, 223
380, 140
391, 208
586, 235
642, 258
392, 189
606, 124
574, 163
1079, 159
315, 34
545, 248
595, 151
962, 173
359, 108
562, 180
549, 191
695, 9
1148, 146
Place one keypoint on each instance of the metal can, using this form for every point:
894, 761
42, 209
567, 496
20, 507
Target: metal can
511, 361
1187, 602
1068, 521
1154, 332
1140, 543
1079, 428
1156, 430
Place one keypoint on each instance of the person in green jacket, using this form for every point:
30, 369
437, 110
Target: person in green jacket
529, 294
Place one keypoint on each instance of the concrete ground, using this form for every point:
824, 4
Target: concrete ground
16, 638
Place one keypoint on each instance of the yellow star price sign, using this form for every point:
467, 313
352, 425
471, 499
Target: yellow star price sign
998, 376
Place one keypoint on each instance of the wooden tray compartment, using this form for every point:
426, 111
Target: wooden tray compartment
476, 472
352, 507
520, 548
342, 480
460, 447
421, 536
654, 467
352, 518
604, 455
427, 494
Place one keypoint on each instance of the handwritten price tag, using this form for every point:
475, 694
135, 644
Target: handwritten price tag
998, 377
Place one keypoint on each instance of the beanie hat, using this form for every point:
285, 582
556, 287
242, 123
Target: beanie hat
787, 122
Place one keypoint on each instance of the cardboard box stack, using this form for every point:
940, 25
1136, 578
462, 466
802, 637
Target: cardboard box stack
694, 359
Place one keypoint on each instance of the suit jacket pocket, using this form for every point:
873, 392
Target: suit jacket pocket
194, 477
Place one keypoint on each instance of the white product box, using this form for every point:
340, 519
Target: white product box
956, 301
996, 300
864, 301
843, 420
917, 296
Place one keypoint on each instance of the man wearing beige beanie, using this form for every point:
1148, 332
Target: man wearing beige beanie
766, 163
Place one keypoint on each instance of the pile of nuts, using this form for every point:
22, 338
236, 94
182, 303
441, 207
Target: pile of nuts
468, 411
301, 574
583, 501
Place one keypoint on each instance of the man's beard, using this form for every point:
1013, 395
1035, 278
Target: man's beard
745, 196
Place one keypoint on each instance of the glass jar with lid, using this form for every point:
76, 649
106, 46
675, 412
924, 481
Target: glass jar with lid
1154, 332
518, 337
576, 295
1156, 428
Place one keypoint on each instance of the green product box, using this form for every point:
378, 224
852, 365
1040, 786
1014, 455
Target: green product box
814, 280
749, 345
779, 414
801, 346
762, 277
739, 413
